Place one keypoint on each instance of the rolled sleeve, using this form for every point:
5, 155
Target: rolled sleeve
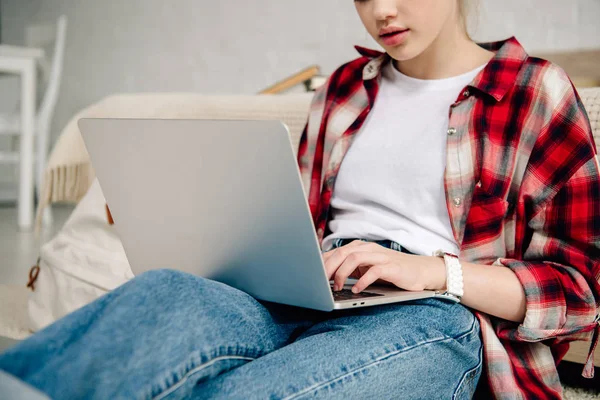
561, 268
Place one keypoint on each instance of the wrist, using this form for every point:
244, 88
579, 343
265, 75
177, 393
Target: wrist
454, 275
436, 274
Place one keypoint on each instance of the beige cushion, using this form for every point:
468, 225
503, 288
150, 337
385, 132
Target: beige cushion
591, 102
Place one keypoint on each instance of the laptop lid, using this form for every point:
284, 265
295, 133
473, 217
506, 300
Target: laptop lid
217, 198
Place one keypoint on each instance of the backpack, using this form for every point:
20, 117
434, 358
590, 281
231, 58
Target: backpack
82, 262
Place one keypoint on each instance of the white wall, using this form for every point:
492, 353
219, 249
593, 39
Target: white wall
236, 46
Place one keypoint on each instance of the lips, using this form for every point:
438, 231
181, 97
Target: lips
393, 36
390, 30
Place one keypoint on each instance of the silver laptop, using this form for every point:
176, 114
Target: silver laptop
222, 200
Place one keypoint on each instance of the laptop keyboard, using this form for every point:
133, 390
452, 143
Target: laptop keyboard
346, 294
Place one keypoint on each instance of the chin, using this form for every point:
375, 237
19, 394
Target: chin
403, 53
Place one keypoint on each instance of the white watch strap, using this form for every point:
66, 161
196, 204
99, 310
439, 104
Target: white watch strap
454, 276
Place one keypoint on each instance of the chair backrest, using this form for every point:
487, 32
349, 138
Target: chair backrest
50, 37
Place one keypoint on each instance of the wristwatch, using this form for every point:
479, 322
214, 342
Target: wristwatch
454, 278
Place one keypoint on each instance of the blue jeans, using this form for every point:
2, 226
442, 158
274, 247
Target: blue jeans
171, 335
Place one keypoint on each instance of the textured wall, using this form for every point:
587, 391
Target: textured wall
234, 46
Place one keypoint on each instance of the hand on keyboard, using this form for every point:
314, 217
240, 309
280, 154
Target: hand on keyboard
346, 294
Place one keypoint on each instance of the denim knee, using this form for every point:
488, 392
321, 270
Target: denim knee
156, 276
169, 284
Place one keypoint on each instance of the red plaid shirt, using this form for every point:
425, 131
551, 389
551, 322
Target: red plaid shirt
522, 186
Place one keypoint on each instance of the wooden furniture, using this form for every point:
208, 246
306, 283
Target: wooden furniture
33, 124
578, 352
583, 66
303, 76
22, 61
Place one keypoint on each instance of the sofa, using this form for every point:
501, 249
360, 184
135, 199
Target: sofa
69, 173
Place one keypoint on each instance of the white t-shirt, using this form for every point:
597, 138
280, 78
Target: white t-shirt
391, 181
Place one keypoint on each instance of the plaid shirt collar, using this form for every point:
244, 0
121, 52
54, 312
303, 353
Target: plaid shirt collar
510, 57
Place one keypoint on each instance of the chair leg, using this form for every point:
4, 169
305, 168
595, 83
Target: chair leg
41, 155
47, 217
26, 157
43, 132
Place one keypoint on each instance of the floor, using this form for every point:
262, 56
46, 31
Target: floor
5, 343
19, 250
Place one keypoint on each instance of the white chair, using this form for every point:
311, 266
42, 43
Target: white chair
40, 36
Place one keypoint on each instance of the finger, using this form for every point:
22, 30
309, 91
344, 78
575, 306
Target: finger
329, 253
358, 272
334, 258
353, 243
333, 262
376, 272
358, 258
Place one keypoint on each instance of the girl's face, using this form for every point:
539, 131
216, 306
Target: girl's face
406, 28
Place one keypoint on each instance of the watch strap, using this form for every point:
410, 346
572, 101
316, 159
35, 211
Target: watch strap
454, 276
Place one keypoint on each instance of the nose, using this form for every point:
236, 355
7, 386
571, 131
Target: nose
384, 9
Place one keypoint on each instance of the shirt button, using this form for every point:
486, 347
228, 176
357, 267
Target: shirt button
457, 201
451, 131
466, 93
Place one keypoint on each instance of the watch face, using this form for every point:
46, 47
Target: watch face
439, 253
442, 253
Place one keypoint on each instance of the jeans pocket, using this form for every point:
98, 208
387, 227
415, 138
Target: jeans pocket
468, 384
